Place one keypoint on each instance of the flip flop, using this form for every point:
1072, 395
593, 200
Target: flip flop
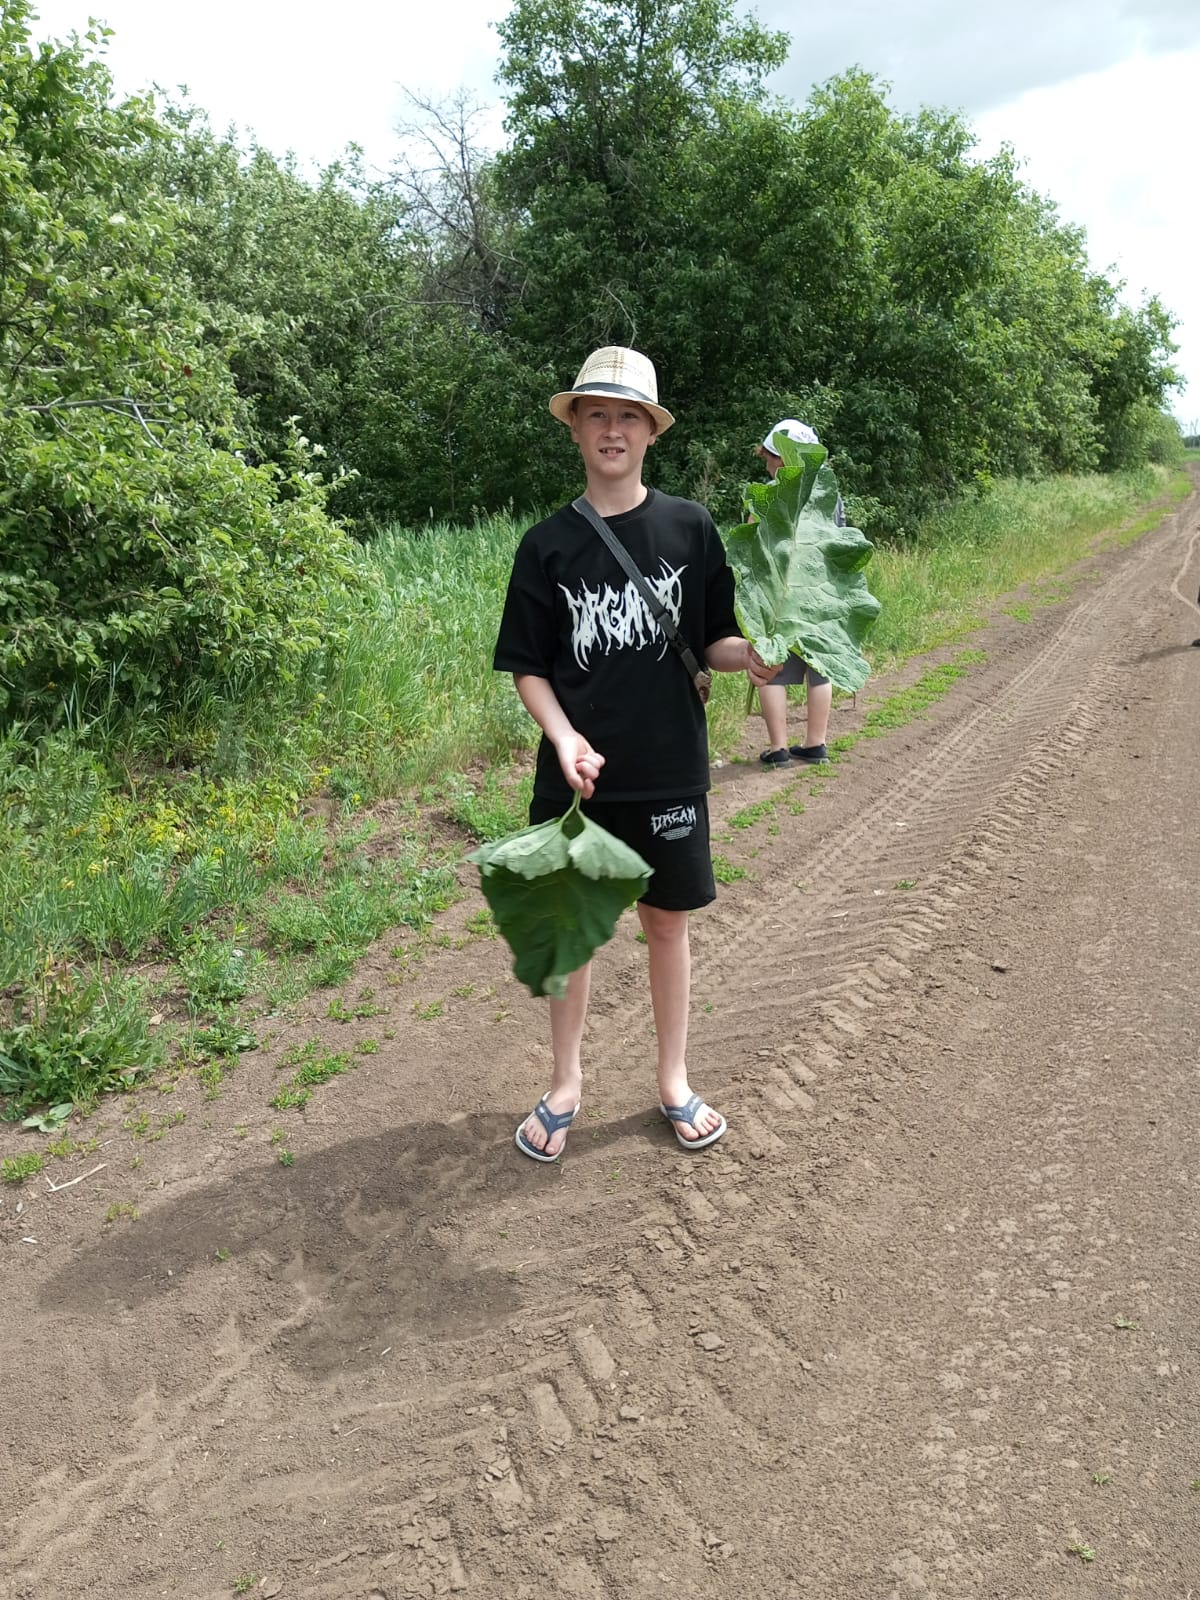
552, 1121
689, 1113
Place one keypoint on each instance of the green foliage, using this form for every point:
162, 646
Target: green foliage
140, 551
314, 1066
73, 1038
800, 584
15, 1169
491, 807
925, 310
557, 891
217, 971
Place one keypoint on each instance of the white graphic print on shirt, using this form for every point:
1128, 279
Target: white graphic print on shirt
619, 618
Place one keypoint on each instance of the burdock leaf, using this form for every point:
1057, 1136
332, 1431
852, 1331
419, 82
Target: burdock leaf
800, 584
556, 892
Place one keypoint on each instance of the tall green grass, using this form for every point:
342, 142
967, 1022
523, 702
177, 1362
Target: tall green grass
194, 850
415, 697
935, 590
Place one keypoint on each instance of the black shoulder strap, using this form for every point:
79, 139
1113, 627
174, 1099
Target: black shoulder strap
655, 606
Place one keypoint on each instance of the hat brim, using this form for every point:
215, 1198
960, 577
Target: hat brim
560, 404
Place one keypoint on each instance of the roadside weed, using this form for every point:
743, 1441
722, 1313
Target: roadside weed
724, 870
15, 1169
749, 815
314, 1066
216, 971
496, 805
74, 1036
339, 1011
49, 1120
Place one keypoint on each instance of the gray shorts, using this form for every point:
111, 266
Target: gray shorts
670, 835
797, 671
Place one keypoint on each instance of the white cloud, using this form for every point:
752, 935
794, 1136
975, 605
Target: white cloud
302, 76
1115, 151
971, 58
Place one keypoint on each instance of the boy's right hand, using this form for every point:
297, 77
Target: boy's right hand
579, 762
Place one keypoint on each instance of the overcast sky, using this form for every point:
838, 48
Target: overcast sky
1097, 97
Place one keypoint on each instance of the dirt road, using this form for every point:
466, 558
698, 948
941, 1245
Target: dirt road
924, 1325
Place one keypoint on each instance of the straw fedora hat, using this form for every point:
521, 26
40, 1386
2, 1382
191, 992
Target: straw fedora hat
615, 372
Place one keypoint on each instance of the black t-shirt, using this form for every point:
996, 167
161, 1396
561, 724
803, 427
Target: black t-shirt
573, 617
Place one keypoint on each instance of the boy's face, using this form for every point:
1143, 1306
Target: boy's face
613, 436
770, 460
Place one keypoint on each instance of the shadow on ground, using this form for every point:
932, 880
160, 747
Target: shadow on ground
362, 1237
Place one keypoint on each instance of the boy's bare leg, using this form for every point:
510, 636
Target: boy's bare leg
820, 702
670, 994
567, 1017
772, 697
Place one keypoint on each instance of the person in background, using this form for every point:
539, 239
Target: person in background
819, 691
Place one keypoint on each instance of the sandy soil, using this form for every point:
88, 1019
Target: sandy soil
923, 1325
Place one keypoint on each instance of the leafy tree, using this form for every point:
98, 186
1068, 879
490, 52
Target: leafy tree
297, 281
929, 313
139, 552
605, 97
926, 310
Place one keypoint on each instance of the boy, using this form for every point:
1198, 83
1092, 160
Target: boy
819, 691
621, 719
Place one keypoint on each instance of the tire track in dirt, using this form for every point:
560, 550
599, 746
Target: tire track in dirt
1054, 693
950, 803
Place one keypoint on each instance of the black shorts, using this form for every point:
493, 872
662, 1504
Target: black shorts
670, 835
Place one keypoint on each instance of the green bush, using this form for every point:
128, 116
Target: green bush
136, 571
140, 554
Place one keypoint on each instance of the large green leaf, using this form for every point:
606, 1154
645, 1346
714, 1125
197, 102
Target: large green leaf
800, 584
556, 892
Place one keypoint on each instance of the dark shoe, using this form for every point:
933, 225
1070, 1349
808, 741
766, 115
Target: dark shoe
809, 753
776, 758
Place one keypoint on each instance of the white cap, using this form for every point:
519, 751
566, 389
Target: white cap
797, 432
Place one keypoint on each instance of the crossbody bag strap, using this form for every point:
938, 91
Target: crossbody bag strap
699, 675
